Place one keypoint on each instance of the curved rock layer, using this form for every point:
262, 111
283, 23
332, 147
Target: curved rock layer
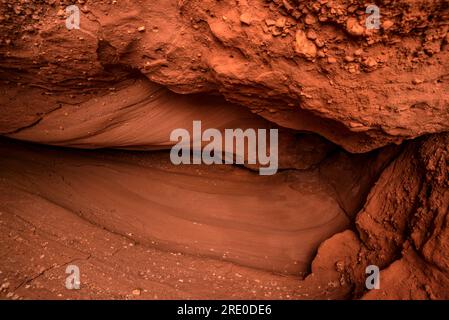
228, 213
139, 115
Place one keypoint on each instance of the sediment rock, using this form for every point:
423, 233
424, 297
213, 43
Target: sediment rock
363, 115
201, 46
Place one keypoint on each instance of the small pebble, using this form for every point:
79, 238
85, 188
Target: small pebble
137, 292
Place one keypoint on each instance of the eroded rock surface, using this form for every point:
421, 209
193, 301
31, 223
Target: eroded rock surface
359, 88
341, 95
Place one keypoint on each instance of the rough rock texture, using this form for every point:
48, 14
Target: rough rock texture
341, 94
402, 229
361, 90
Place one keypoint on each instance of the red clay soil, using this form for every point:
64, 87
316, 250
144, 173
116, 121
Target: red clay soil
363, 119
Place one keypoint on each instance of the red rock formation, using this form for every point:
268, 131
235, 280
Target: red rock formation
134, 71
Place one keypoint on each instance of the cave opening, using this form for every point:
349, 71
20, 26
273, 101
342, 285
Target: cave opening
126, 182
